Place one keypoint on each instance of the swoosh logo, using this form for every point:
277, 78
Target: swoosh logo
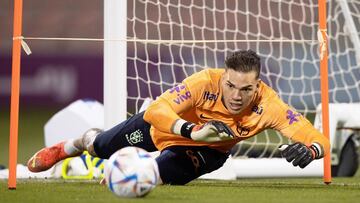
204, 117
33, 164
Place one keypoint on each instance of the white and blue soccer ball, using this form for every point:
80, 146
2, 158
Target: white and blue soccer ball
131, 172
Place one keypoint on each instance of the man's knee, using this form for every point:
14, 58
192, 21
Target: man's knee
88, 140
179, 165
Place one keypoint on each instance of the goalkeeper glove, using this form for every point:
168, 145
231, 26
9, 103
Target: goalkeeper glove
212, 131
300, 154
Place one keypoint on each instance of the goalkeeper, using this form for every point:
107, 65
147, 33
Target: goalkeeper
195, 124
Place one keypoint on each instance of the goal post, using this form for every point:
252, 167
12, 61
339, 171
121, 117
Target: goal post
115, 66
170, 40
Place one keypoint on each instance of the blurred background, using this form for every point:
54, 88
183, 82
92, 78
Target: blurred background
60, 72
56, 73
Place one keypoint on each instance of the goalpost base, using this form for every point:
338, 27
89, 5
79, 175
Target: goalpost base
275, 167
263, 168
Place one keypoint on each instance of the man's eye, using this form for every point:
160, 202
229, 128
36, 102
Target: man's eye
230, 85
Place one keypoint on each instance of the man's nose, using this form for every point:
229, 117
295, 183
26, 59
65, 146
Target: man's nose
237, 95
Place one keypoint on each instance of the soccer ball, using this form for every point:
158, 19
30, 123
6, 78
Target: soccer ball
131, 172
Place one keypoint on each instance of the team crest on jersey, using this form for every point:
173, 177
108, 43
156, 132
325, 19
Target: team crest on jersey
243, 131
135, 137
181, 97
208, 96
257, 109
291, 116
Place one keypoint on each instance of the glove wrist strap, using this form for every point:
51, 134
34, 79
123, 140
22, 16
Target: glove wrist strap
317, 150
186, 129
176, 128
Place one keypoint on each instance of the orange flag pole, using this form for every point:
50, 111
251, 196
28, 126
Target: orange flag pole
324, 85
15, 93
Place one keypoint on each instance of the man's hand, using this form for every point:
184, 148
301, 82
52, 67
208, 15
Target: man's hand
299, 154
212, 131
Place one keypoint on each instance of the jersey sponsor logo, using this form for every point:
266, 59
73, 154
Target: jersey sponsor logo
257, 109
292, 116
177, 88
180, 97
135, 137
242, 131
208, 96
204, 117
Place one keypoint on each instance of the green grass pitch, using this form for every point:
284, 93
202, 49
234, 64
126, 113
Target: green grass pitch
243, 190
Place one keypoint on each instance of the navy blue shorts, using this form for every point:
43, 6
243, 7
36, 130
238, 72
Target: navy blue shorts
178, 165
132, 132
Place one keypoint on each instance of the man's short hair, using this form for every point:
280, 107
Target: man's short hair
244, 61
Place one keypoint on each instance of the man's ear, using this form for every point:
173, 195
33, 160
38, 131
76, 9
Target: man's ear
258, 83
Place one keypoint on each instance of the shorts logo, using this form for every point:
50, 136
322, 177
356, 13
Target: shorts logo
210, 96
194, 160
135, 137
180, 97
292, 117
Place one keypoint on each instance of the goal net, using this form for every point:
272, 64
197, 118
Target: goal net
169, 40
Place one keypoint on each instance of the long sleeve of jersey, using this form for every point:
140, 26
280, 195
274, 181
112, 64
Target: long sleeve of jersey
296, 127
162, 115
168, 107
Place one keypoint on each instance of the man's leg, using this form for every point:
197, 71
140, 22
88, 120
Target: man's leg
179, 165
132, 132
48, 156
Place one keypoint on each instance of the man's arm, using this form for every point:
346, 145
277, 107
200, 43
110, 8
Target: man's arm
309, 143
309, 136
163, 114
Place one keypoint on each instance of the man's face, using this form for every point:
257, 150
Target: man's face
238, 89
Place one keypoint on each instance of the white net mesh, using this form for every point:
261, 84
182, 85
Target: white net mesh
282, 32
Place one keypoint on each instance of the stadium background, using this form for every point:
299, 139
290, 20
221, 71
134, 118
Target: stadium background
58, 72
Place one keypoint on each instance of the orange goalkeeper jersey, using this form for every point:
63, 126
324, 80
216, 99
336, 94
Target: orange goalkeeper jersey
198, 99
